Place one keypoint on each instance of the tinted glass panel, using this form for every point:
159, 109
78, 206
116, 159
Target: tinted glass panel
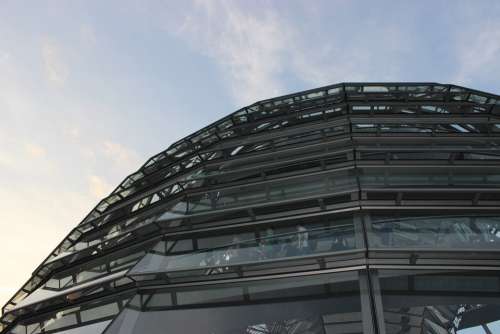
464, 303
273, 191
422, 176
312, 305
97, 272
453, 232
87, 318
271, 245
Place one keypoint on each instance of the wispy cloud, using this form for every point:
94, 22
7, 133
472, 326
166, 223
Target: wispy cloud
120, 155
72, 132
98, 187
4, 56
7, 161
56, 70
479, 56
250, 49
259, 49
88, 35
35, 151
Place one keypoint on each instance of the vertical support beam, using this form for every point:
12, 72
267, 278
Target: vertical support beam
367, 231
367, 312
377, 301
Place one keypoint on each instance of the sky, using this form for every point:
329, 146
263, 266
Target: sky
90, 89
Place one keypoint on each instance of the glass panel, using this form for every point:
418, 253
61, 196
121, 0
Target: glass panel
453, 232
306, 305
272, 245
68, 247
272, 191
461, 303
452, 155
433, 176
179, 152
44, 294
99, 312
375, 89
87, 318
421, 128
112, 234
96, 272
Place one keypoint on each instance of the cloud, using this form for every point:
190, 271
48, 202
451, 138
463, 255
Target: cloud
72, 132
35, 151
98, 187
122, 156
478, 58
249, 48
261, 49
7, 160
4, 57
17, 158
88, 35
56, 70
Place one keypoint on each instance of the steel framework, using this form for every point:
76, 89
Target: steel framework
351, 208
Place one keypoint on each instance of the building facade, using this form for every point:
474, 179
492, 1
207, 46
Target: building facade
352, 208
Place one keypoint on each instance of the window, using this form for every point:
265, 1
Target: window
313, 305
434, 302
243, 248
438, 232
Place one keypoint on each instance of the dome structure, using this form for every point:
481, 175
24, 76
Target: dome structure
351, 208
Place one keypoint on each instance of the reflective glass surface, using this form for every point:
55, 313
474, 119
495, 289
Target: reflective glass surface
457, 302
438, 232
93, 328
245, 248
80, 319
311, 185
105, 269
305, 305
430, 176
423, 128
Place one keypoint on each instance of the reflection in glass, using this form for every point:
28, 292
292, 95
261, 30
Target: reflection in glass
425, 128
453, 232
271, 245
79, 319
311, 185
105, 269
407, 176
462, 303
306, 305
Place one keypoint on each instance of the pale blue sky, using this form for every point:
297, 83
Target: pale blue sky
90, 89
